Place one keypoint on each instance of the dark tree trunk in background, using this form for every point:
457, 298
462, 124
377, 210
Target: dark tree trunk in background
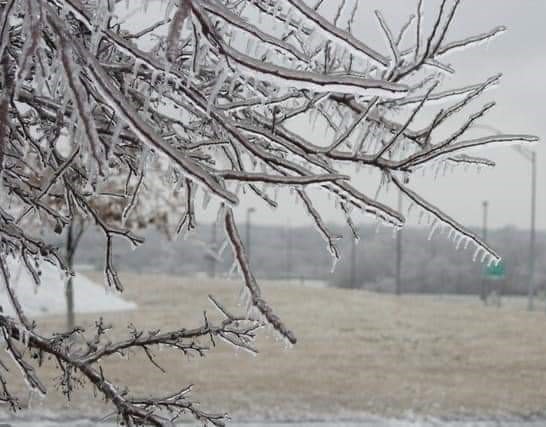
73, 236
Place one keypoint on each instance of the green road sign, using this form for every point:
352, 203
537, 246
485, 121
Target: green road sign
495, 271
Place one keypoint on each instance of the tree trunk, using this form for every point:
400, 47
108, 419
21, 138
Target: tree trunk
74, 233
69, 290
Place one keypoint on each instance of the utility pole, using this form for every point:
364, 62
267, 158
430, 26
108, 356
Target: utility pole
485, 204
352, 273
288, 251
247, 236
213, 248
531, 284
399, 251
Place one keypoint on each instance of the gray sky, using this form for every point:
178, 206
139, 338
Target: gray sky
519, 54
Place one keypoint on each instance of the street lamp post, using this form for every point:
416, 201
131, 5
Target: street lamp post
531, 157
532, 240
485, 205
399, 251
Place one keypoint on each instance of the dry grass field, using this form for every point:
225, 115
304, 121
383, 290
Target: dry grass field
358, 352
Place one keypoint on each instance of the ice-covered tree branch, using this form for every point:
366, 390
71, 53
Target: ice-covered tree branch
125, 125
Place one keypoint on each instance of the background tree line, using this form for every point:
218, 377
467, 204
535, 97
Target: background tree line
428, 266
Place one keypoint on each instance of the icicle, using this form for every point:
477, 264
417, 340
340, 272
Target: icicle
169, 9
233, 38
299, 29
491, 261
206, 199
288, 20
436, 172
286, 342
410, 208
246, 300
136, 67
432, 229
335, 260
232, 270
252, 313
476, 253
222, 248
421, 214
118, 128
458, 241
429, 218
24, 336
250, 45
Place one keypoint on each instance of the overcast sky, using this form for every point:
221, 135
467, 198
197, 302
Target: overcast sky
519, 54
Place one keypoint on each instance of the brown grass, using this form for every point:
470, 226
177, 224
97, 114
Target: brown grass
357, 352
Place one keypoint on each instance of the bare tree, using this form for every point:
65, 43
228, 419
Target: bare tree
151, 204
208, 95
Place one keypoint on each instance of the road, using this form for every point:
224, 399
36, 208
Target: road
371, 422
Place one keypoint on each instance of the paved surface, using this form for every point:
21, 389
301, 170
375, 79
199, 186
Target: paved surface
375, 422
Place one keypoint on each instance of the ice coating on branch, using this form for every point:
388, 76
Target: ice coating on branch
308, 17
251, 285
207, 109
316, 82
440, 217
217, 87
471, 41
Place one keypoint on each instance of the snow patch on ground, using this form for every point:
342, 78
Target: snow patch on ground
49, 297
